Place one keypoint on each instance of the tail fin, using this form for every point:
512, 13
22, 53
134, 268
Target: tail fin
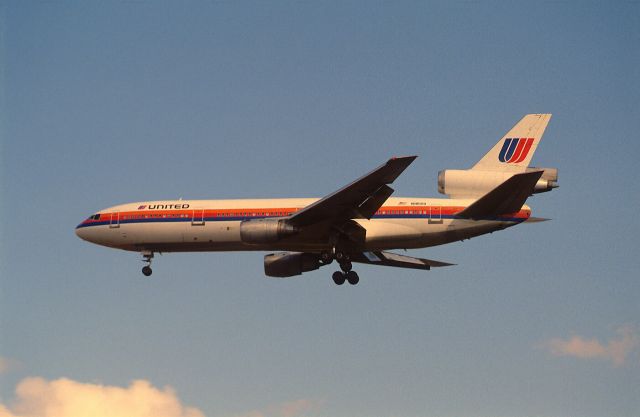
514, 151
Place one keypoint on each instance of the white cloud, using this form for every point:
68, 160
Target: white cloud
4, 365
297, 408
37, 397
7, 365
615, 350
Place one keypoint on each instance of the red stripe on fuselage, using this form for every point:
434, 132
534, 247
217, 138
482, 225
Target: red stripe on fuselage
277, 212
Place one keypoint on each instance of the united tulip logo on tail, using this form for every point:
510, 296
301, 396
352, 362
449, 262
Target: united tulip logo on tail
515, 150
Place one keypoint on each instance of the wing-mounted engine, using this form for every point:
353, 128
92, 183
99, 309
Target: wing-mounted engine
473, 183
265, 230
289, 264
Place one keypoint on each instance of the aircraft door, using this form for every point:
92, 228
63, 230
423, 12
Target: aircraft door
114, 222
197, 218
435, 215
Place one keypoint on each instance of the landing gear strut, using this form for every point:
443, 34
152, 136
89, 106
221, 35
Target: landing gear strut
339, 277
147, 257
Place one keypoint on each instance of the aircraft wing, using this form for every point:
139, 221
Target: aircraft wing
358, 200
396, 260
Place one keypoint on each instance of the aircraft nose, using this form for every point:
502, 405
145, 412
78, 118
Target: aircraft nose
81, 232
91, 231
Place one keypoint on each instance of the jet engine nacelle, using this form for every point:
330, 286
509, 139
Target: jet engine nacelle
265, 230
474, 183
288, 264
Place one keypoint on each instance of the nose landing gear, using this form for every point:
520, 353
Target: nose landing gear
147, 257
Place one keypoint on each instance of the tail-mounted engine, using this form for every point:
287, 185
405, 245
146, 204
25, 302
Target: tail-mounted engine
473, 183
288, 264
265, 230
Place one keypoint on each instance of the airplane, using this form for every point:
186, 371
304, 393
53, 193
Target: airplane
359, 223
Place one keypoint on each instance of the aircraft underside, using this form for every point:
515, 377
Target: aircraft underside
209, 238
224, 236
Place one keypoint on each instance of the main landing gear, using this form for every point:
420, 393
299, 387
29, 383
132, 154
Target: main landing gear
339, 277
147, 257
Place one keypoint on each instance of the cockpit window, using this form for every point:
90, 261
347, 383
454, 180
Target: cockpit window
94, 217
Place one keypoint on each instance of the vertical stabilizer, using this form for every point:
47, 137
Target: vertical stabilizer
514, 151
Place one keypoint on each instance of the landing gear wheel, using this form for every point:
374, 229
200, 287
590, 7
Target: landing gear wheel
338, 277
326, 258
352, 277
147, 256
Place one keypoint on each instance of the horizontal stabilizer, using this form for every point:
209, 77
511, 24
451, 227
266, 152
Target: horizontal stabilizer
536, 220
394, 259
508, 197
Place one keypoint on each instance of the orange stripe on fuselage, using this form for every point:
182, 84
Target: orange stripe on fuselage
282, 212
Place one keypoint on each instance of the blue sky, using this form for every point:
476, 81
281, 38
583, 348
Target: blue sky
111, 102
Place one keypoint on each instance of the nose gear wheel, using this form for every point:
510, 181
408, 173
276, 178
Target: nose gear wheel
147, 257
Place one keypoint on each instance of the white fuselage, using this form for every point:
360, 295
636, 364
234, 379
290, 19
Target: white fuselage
214, 225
